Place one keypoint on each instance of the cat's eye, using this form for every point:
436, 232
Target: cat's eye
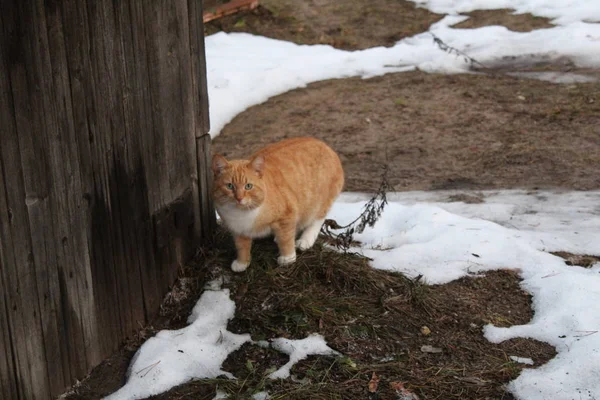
248, 186
229, 186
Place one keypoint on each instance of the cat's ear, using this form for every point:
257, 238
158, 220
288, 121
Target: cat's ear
258, 165
219, 163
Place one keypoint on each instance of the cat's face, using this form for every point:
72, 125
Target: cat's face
238, 183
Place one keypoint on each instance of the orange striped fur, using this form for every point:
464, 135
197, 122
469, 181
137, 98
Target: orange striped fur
283, 189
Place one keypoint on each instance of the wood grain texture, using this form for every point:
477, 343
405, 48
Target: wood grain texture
102, 109
204, 222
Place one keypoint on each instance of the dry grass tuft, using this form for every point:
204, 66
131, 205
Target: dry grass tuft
375, 319
379, 321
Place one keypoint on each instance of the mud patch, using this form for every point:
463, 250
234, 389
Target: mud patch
349, 25
506, 18
438, 131
545, 67
375, 318
466, 198
585, 261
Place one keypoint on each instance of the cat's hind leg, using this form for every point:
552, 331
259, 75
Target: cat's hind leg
310, 235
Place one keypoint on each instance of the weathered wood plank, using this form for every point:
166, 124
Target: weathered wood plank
20, 283
204, 151
105, 236
197, 54
8, 388
25, 168
69, 211
126, 200
139, 110
205, 219
194, 8
101, 111
11, 372
202, 88
170, 87
154, 152
108, 158
8, 381
137, 122
78, 48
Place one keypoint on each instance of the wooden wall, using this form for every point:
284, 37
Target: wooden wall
103, 106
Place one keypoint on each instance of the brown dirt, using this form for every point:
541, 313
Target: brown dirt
506, 18
434, 132
438, 131
346, 24
374, 318
579, 260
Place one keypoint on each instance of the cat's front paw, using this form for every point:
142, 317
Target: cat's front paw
237, 266
284, 260
304, 244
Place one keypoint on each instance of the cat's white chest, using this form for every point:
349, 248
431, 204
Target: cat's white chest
241, 222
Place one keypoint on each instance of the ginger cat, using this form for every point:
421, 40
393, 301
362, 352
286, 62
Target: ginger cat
283, 189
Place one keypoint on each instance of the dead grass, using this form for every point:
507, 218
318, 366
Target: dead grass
580, 260
476, 132
375, 319
349, 25
506, 18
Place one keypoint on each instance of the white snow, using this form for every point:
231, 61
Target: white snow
446, 241
197, 351
298, 350
261, 396
522, 360
220, 395
561, 11
548, 220
555, 77
244, 70
175, 357
422, 233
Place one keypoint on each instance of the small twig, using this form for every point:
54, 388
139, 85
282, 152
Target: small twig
585, 333
149, 368
453, 50
229, 8
551, 275
370, 215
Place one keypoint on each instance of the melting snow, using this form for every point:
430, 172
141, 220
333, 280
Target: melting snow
421, 233
522, 360
298, 350
175, 357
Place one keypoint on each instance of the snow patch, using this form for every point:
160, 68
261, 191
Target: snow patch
561, 12
251, 69
220, 395
433, 240
298, 350
261, 396
522, 360
175, 357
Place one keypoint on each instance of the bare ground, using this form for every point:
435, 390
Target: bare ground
438, 131
351, 25
433, 132
376, 319
489, 130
